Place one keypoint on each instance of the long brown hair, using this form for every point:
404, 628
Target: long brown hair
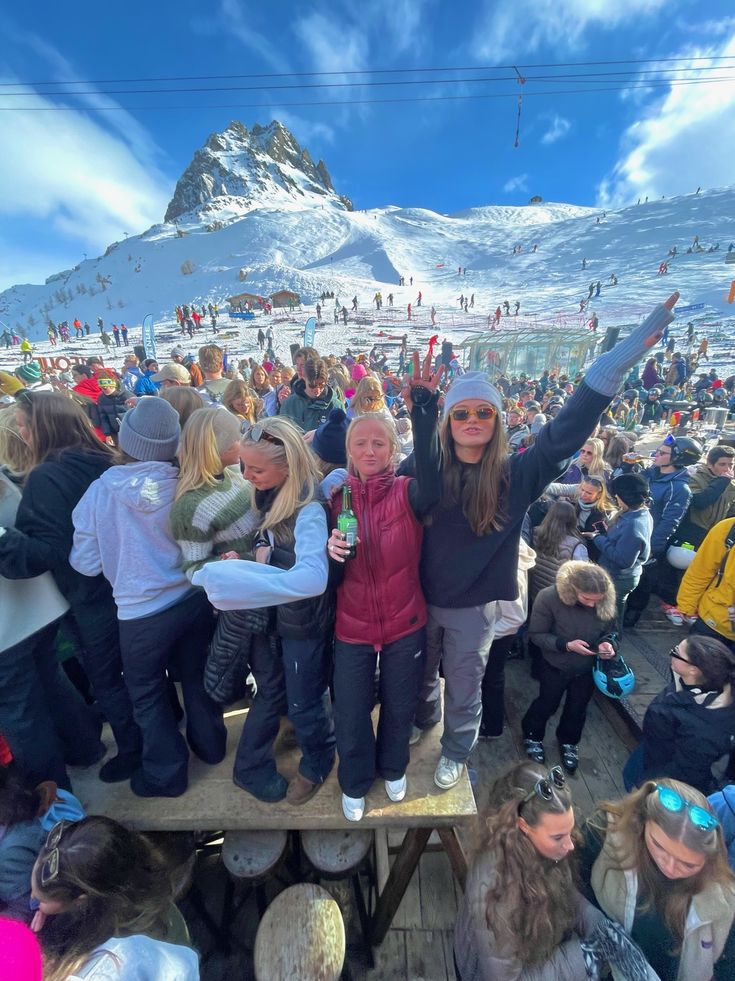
560, 523
56, 422
627, 818
480, 489
531, 906
112, 884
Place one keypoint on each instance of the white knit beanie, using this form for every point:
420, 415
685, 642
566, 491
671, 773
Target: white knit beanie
472, 385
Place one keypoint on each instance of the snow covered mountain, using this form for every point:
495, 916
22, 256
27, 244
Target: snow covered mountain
238, 170
254, 212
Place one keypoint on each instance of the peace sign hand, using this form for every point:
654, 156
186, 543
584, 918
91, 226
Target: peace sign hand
423, 378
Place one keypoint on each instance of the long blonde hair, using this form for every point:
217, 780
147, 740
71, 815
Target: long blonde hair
597, 466
15, 453
481, 489
299, 487
206, 435
367, 387
241, 390
627, 819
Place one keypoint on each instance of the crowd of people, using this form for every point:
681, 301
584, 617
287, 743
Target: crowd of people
325, 537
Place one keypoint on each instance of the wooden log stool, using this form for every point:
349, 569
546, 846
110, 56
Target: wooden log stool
250, 857
301, 937
343, 854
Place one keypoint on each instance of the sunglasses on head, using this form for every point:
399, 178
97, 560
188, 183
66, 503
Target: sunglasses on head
595, 481
50, 867
482, 412
545, 786
258, 432
671, 801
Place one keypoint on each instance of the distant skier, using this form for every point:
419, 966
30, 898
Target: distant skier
506, 306
87, 329
318, 318
52, 337
418, 299
344, 314
517, 308
123, 331
497, 315
461, 300
269, 335
213, 323
354, 303
582, 305
116, 335
472, 300
410, 281
433, 316
408, 310
390, 299
261, 332
584, 263
598, 288
592, 290
466, 304
594, 323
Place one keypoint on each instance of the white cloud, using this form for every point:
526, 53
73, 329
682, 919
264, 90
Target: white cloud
558, 128
507, 28
239, 22
84, 181
683, 140
517, 183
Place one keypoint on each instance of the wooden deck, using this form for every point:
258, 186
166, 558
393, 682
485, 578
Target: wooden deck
419, 944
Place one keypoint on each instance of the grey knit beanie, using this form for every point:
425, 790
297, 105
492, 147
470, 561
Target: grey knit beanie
472, 385
150, 430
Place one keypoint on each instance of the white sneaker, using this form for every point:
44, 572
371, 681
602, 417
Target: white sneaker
396, 789
353, 808
416, 735
447, 773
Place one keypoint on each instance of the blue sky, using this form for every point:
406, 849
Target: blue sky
74, 181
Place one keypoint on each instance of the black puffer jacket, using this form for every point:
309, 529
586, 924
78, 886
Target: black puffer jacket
306, 618
42, 538
685, 731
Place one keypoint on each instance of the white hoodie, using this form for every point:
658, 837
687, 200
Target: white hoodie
139, 958
121, 528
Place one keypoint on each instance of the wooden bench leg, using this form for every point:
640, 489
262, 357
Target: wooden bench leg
403, 868
457, 858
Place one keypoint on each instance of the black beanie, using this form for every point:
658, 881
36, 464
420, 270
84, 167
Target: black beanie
631, 488
329, 439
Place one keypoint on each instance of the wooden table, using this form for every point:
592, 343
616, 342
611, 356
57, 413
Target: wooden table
213, 802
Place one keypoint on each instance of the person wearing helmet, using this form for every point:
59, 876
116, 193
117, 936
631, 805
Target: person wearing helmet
652, 408
626, 545
688, 725
572, 622
668, 482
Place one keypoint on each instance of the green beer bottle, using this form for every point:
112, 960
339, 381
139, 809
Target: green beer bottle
347, 522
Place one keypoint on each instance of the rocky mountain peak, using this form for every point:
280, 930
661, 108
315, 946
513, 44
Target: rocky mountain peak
240, 169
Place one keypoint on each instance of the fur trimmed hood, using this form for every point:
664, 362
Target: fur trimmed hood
567, 591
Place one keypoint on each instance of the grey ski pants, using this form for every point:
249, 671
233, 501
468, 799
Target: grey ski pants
459, 640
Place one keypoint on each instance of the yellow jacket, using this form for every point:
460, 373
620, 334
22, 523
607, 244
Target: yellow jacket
699, 592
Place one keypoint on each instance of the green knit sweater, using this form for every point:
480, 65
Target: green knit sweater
211, 520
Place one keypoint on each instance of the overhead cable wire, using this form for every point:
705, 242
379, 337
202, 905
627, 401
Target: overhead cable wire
374, 71
359, 102
588, 77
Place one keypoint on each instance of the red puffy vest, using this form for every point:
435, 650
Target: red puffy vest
380, 598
